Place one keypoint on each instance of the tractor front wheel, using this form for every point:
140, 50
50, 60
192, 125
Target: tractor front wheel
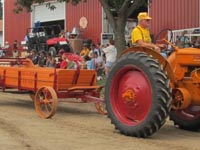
187, 119
137, 95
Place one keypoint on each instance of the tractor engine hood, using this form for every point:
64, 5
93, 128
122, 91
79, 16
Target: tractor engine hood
188, 56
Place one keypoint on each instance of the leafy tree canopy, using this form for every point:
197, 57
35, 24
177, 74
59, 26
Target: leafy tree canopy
1, 10
21, 4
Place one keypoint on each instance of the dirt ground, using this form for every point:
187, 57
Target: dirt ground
77, 126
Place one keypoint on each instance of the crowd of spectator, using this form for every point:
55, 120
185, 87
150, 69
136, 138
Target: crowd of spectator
94, 57
184, 41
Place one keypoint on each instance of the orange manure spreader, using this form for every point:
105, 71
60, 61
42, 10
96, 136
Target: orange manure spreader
46, 85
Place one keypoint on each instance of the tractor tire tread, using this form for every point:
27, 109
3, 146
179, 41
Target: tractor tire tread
161, 103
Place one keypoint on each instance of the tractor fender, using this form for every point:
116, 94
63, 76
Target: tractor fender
163, 61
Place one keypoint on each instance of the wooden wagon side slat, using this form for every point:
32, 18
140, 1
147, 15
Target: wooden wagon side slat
65, 78
2, 78
86, 78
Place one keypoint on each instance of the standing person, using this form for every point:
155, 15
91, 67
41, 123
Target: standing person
140, 35
6, 48
111, 55
62, 34
95, 49
15, 47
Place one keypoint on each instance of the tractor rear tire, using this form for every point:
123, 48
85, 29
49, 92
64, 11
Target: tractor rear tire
147, 105
186, 119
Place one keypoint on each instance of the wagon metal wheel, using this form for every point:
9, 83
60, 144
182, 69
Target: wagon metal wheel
137, 95
101, 107
46, 102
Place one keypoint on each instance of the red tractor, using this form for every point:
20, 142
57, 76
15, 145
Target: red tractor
46, 38
144, 88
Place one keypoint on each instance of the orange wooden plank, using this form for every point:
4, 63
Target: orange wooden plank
83, 88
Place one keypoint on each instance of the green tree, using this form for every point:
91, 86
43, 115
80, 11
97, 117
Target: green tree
117, 12
1, 10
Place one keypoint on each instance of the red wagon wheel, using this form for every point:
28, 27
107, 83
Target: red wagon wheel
101, 107
46, 102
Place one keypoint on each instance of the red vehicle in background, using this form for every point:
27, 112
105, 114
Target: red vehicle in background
47, 38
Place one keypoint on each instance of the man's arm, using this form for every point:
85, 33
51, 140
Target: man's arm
149, 45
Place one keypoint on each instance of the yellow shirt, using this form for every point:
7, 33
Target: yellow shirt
139, 33
84, 52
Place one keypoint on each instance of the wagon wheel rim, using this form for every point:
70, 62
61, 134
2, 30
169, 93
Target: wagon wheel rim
46, 102
131, 97
101, 106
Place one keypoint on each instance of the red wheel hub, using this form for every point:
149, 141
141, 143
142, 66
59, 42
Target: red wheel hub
131, 95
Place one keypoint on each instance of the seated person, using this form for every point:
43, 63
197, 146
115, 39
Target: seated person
84, 63
84, 52
141, 36
50, 62
42, 59
63, 63
33, 56
66, 63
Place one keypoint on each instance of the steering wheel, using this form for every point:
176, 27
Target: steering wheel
165, 37
162, 36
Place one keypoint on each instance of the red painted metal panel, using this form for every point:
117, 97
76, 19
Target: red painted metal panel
15, 24
92, 10
174, 14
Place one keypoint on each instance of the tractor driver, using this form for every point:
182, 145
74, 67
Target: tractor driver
140, 34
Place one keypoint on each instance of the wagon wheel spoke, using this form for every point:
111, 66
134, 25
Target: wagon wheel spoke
47, 109
50, 104
45, 93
